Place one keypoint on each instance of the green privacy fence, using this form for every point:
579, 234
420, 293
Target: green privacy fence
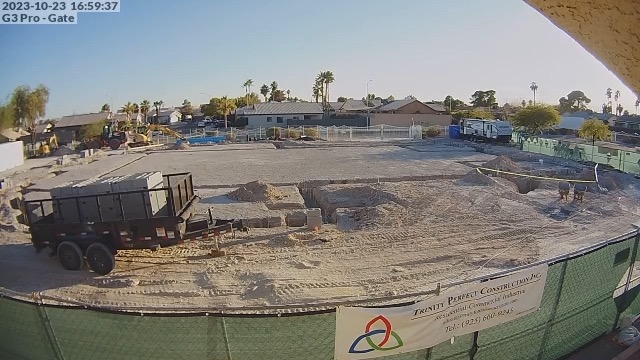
613, 155
577, 307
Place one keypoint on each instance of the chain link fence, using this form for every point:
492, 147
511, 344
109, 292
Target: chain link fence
586, 294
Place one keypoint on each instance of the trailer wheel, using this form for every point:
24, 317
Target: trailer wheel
70, 256
100, 258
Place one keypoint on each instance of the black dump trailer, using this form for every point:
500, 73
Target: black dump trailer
94, 227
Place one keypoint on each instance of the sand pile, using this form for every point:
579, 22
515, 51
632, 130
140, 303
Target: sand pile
503, 163
183, 146
476, 179
389, 215
256, 192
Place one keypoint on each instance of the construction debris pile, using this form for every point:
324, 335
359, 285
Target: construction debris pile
257, 191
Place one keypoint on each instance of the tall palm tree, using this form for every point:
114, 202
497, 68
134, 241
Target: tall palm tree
129, 108
158, 104
637, 104
145, 106
316, 91
534, 88
617, 97
320, 86
609, 93
226, 107
288, 95
105, 108
328, 78
264, 90
274, 88
247, 88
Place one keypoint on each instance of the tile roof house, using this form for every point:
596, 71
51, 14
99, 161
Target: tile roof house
439, 108
67, 127
352, 105
408, 106
271, 114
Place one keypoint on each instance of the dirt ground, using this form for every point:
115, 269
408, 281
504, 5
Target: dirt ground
388, 238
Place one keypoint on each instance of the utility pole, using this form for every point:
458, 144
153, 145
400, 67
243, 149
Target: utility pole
367, 99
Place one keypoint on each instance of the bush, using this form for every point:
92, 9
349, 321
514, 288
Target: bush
431, 132
91, 130
312, 132
274, 133
292, 133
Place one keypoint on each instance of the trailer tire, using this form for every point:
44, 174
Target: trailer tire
70, 256
100, 258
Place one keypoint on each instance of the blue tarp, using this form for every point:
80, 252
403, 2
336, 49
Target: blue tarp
204, 140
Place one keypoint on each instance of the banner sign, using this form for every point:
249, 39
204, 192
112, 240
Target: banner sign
365, 333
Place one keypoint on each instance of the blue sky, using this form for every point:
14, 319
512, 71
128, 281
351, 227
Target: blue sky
171, 50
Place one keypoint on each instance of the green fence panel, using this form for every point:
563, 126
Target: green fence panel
84, 334
22, 332
286, 337
522, 338
459, 350
586, 308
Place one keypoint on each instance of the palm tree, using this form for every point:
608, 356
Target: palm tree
158, 104
328, 78
619, 110
534, 88
274, 87
320, 85
288, 95
226, 107
637, 104
145, 106
247, 88
609, 93
316, 91
617, 97
105, 108
264, 90
523, 103
129, 108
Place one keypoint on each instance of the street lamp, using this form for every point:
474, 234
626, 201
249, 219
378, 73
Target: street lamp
367, 99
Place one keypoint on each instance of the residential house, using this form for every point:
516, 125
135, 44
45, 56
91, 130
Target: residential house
119, 117
68, 127
9, 135
574, 120
410, 112
165, 116
271, 114
631, 122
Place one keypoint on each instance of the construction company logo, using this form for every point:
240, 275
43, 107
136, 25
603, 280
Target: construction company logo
381, 337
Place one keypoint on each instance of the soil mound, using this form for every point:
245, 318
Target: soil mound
503, 163
63, 150
257, 191
476, 179
182, 146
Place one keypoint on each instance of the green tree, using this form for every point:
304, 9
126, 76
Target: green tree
608, 94
574, 101
247, 90
523, 103
157, 105
241, 101
452, 104
105, 108
273, 87
342, 99
29, 105
288, 95
536, 118
186, 108
316, 91
226, 106
90, 131
7, 118
145, 107
327, 78
483, 98
606, 109
594, 129
264, 90
534, 88
278, 95
128, 108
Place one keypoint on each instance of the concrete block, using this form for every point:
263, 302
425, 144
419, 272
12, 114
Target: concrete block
63, 160
296, 219
85, 153
314, 212
6, 184
314, 223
